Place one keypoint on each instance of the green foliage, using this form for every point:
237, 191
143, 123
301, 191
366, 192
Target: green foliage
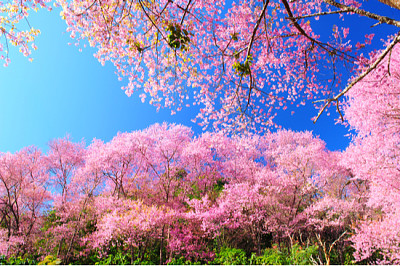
120, 254
51, 220
196, 192
302, 256
234, 36
271, 256
182, 261
230, 256
217, 189
17, 261
117, 259
180, 174
50, 260
243, 69
178, 38
297, 256
219, 186
89, 259
348, 256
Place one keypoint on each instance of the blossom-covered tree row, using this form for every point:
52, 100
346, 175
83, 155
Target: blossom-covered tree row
160, 195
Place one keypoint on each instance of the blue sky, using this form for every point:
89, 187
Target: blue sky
64, 91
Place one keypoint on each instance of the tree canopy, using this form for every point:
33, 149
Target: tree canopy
239, 61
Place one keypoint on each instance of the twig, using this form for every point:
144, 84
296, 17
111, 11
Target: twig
256, 28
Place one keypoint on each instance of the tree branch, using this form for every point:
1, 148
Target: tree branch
322, 14
360, 77
364, 13
256, 28
325, 46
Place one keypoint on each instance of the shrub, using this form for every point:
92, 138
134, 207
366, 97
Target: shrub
230, 256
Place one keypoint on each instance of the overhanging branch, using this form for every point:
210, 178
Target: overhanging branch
382, 19
360, 77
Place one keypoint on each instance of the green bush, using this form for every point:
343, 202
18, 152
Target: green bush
230, 256
182, 261
271, 256
297, 256
302, 256
50, 260
17, 261
115, 259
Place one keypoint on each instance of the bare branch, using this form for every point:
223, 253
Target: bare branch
256, 28
334, 242
186, 10
340, 113
86, 9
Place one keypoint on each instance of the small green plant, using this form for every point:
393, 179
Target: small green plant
302, 256
50, 260
17, 261
117, 257
297, 256
243, 69
178, 38
271, 256
182, 261
230, 256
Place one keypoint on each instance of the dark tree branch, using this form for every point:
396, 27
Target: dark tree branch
256, 28
360, 77
186, 11
382, 19
325, 46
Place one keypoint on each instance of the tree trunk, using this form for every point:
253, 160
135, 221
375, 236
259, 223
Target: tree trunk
162, 245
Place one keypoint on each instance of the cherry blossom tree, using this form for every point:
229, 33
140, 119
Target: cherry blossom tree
128, 223
15, 29
63, 159
373, 112
241, 61
289, 191
24, 198
62, 162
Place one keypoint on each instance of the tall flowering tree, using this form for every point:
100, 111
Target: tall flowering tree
24, 198
373, 112
62, 162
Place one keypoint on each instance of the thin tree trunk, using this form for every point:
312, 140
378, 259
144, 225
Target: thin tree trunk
162, 245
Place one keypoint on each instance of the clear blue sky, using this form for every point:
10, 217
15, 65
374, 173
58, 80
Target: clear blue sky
64, 91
